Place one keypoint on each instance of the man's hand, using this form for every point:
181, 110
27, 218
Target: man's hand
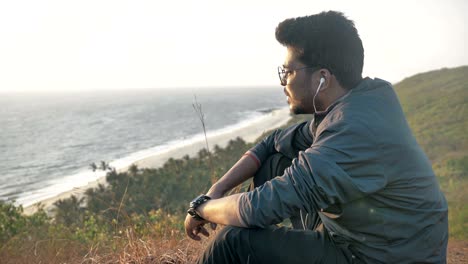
193, 227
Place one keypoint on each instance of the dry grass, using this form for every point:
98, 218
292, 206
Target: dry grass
173, 248
457, 251
170, 248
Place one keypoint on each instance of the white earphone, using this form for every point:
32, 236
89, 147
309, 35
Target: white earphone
322, 81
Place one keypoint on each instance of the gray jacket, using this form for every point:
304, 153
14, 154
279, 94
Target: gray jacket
359, 168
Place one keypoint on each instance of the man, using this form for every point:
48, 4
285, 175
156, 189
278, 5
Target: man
353, 180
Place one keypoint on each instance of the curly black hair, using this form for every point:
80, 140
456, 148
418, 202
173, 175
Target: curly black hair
328, 40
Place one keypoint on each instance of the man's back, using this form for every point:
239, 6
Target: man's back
407, 216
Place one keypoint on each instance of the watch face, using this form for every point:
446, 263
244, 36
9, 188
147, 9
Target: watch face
195, 202
192, 204
199, 200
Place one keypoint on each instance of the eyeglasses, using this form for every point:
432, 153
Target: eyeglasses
283, 73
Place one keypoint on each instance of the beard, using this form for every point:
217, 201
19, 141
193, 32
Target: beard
297, 110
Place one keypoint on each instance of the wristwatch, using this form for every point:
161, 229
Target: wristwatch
201, 199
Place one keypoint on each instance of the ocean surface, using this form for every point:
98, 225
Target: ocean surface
48, 140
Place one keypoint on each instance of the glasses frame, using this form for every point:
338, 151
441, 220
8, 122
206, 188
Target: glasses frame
283, 73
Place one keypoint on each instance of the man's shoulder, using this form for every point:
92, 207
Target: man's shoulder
370, 105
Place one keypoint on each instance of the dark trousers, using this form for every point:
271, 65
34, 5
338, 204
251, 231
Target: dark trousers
309, 244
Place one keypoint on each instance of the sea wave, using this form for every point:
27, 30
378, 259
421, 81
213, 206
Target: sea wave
84, 176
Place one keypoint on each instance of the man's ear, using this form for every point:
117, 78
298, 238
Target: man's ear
325, 78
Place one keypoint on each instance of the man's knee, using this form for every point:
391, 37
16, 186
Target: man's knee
228, 246
229, 235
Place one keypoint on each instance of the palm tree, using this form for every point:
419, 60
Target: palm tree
104, 166
133, 169
69, 211
93, 166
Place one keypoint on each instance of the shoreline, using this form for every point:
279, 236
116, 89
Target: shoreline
250, 132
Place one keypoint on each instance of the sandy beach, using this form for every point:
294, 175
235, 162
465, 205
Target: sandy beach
249, 132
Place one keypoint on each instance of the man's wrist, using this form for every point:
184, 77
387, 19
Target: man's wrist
195, 203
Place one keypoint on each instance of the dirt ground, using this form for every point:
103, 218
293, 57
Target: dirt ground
457, 252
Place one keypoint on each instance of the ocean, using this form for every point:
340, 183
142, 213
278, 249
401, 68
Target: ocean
48, 140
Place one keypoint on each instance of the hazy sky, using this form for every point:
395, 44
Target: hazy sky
84, 45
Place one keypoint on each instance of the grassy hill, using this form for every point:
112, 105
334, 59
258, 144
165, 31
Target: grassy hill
436, 107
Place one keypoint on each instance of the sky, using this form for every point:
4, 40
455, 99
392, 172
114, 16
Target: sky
103, 45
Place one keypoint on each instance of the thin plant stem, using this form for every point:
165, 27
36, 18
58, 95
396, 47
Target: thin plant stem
198, 110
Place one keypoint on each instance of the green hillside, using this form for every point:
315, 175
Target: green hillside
436, 107
435, 104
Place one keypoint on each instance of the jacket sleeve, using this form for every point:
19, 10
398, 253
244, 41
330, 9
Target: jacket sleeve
340, 167
288, 142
